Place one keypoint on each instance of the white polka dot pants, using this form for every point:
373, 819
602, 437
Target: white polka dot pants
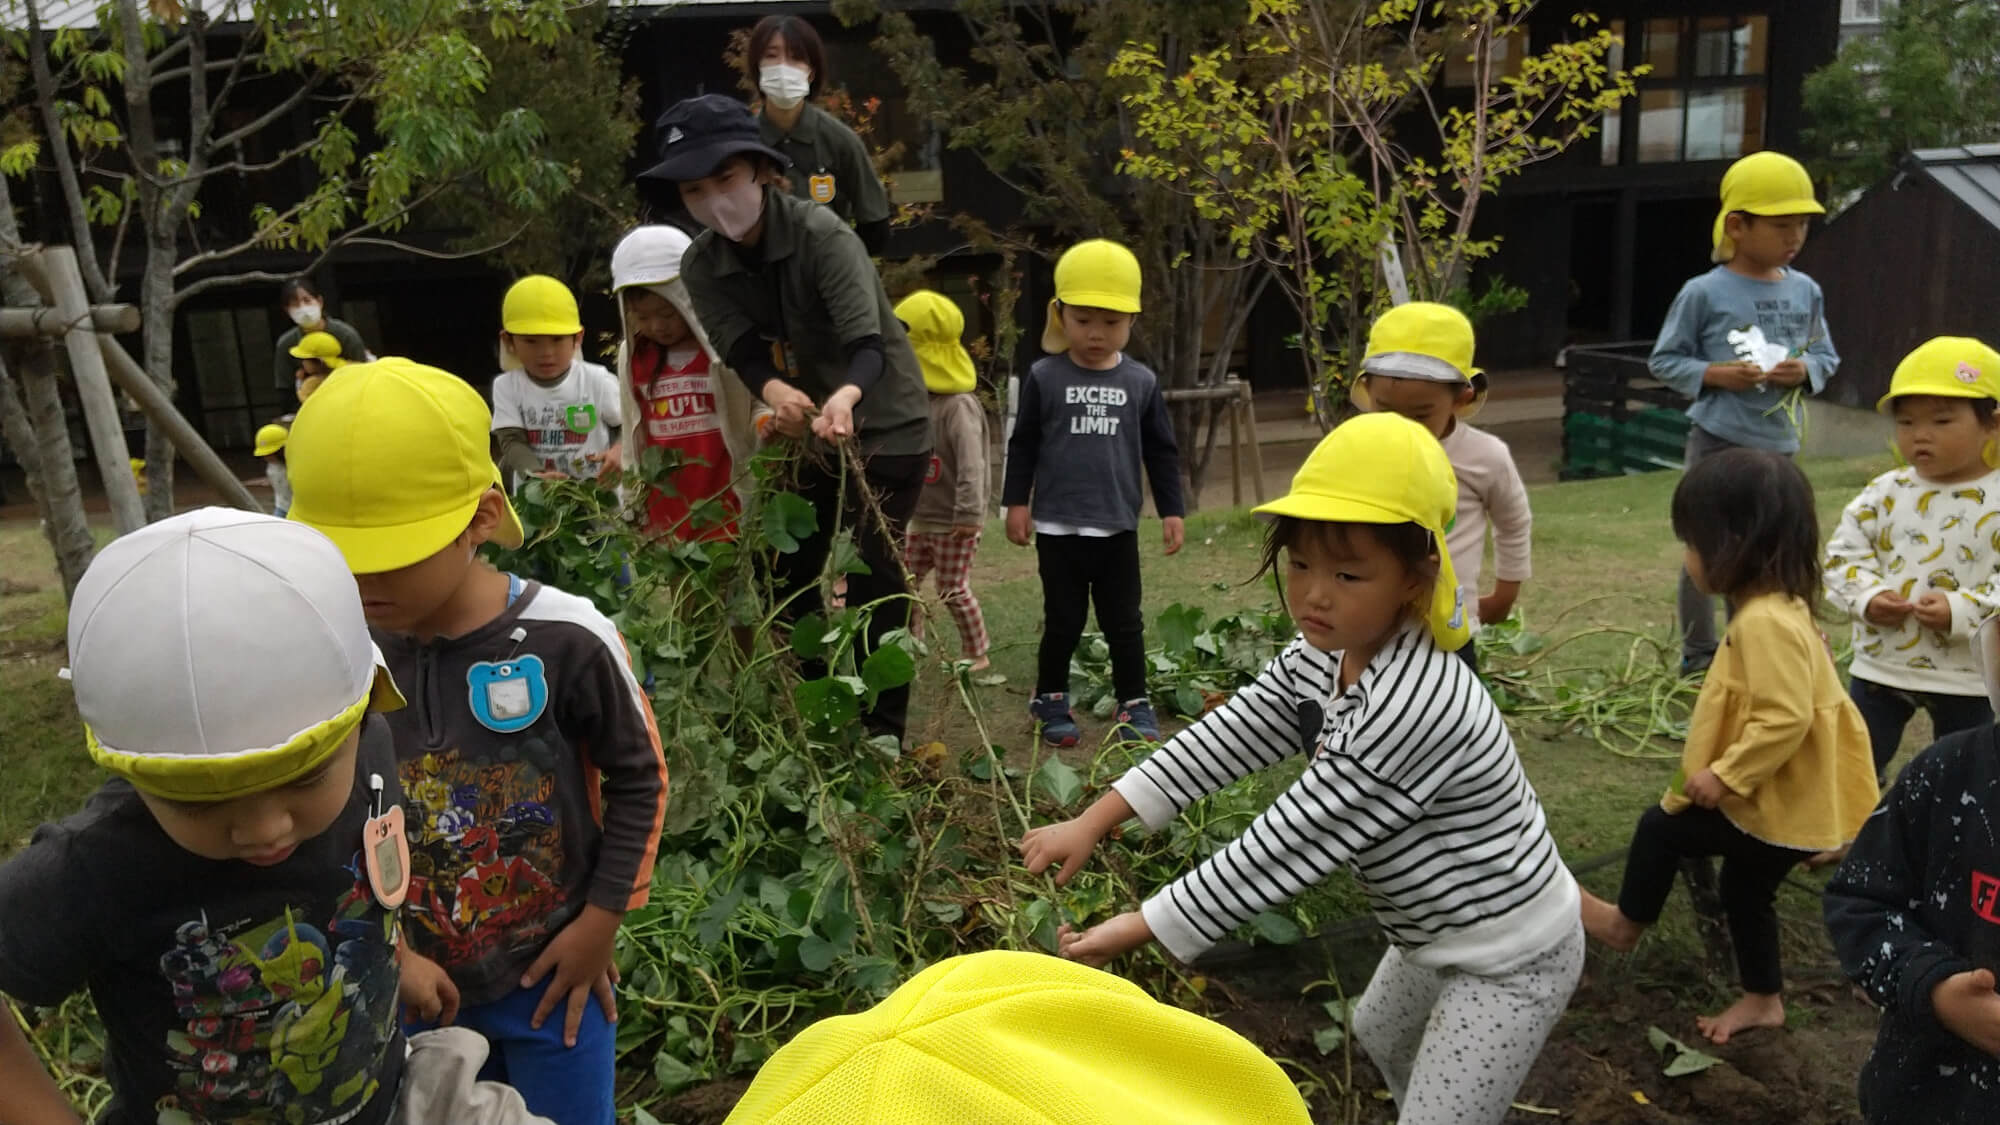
1455, 1047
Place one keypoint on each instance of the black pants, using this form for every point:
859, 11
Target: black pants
1887, 711
1470, 654
896, 481
1751, 872
1079, 569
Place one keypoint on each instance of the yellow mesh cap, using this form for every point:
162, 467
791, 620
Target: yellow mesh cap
390, 460
1000, 1038
935, 325
1386, 469
1762, 183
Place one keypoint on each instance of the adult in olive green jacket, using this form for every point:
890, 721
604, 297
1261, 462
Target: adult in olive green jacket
790, 299
829, 163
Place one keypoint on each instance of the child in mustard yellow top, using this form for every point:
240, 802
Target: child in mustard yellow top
1777, 765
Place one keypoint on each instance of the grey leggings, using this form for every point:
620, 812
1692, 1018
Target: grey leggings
1455, 1047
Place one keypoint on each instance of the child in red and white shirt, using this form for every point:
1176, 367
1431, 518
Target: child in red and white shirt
678, 395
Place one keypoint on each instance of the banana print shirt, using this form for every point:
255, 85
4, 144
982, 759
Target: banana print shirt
1905, 535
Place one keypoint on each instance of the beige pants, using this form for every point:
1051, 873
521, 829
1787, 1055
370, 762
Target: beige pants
441, 1084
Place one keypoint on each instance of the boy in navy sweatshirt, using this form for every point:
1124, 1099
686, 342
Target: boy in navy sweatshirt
1915, 916
1089, 416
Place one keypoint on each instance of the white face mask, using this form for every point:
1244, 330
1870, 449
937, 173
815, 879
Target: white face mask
730, 213
786, 85
305, 314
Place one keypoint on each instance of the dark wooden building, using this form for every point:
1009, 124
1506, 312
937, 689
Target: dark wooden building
1917, 256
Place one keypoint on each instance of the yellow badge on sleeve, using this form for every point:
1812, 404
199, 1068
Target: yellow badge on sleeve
820, 187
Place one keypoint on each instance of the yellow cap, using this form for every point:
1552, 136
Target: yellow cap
1386, 469
538, 305
322, 346
1420, 340
390, 460
1096, 274
270, 439
1004, 1036
935, 326
1763, 183
1948, 367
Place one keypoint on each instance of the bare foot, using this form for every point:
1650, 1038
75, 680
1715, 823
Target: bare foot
1755, 1009
1605, 922
981, 664
1828, 858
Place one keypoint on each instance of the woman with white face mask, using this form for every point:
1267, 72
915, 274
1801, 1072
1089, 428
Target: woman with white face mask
306, 309
791, 302
829, 163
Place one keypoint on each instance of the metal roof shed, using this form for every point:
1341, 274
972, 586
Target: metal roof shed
1917, 256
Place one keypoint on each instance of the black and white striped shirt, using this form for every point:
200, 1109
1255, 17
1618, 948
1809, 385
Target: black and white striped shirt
1414, 783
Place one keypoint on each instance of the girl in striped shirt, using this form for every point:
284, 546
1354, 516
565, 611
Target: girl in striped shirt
1413, 783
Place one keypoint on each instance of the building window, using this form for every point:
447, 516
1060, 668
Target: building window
1861, 11
1460, 72
1704, 97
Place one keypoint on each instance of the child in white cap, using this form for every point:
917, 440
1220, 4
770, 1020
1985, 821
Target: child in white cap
1745, 339
230, 899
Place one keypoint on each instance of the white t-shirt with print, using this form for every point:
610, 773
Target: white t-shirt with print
566, 423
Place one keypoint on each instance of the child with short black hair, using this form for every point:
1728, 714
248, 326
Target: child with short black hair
1916, 560
1746, 339
226, 899
555, 414
1776, 764
1412, 782
536, 780
1419, 365
1914, 914
1088, 419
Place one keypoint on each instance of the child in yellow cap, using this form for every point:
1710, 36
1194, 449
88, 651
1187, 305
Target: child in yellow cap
271, 447
1013, 1037
1775, 767
1412, 782
1088, 419
319, 355
555, 414
224, 899
530, 754
944, 531
1419, 365
1916, 559
1745, 338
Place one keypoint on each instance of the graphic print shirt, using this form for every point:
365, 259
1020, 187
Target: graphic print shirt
517, 735
566, 423
1789, 313
1080, 438
229, 992
678, 394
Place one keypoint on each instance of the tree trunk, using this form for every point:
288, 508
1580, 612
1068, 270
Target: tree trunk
39, 434
156, 300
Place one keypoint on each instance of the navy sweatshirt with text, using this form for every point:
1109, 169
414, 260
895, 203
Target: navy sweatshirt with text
1080, 437
1917, 901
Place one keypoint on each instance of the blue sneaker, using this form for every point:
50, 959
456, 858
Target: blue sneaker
1051, 710
1137, 716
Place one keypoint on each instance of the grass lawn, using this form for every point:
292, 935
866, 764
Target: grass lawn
1604, 558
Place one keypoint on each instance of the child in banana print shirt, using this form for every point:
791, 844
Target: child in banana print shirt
1916, 560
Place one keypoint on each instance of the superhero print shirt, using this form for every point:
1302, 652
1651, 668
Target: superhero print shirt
229, 992
533, 780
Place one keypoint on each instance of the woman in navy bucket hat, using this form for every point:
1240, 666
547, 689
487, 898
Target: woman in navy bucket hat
793, 304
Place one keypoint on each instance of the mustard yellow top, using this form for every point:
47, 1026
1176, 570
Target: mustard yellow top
1775, 724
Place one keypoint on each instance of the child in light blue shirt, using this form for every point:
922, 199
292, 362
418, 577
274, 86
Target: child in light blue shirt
1747, 341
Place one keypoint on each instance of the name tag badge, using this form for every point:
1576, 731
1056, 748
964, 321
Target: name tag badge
820, 186
385, 850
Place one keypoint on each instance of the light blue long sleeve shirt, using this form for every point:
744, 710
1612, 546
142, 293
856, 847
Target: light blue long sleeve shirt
1790, 310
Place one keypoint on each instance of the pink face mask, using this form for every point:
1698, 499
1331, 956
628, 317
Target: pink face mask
730, 213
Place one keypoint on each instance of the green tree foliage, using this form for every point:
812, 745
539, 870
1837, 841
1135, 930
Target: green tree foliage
1042, 111
1326, 141
307, 125
1931, 78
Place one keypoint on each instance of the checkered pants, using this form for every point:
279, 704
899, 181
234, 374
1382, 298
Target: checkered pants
951, 557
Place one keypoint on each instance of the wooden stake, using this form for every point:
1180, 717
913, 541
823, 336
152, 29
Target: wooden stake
64, 281
133, 380
45, 321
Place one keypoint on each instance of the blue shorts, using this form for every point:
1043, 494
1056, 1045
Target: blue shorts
567, 1085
